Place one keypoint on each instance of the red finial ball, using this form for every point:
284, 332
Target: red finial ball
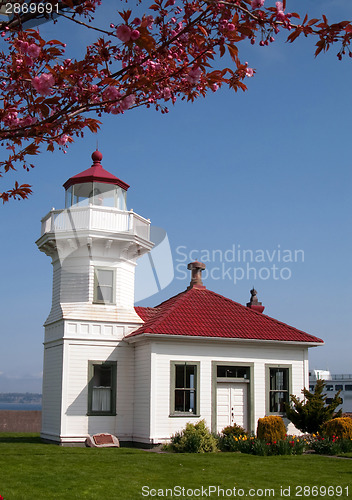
97, 156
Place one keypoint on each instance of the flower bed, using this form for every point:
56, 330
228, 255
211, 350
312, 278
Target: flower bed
291, 445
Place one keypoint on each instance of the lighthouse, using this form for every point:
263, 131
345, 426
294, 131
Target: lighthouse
94, 244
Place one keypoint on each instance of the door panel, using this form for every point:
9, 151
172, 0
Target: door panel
232, 405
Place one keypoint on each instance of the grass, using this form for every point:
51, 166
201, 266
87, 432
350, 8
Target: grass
31, 470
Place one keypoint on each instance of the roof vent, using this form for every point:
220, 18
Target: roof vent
196, 268
253, 303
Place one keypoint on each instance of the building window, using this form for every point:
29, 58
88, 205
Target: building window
311, 388
338, 387
348, 387
184, 388
278, 389
329, 387
330, 400
104, 292
101, 388
228, 371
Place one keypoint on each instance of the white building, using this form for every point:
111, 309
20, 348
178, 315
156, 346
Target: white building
333, 384
143, 373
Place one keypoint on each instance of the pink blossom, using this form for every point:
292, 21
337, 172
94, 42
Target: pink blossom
214, 87
135, 35
249, 72
23, 45
167, 93
114, 110
257, 4
11, 119
194, 75
43, 83
63, 139
150, 21
280, 11
28, 60
127, 102
27, 121
111, 94
33, 50
123, 32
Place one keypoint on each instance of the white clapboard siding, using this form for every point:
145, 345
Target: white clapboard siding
73, 293
142, 396
163, 426
75, 389
52, 384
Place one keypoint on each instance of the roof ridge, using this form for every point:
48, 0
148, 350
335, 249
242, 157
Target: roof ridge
252, 311
202, 312
165, 313
169, 299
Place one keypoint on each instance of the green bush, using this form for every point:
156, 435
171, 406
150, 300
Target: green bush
234, 430
271, 429
309, 414
338, 427
195, 438
225, 440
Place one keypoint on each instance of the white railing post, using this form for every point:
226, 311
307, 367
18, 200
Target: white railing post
130, 222
52, 221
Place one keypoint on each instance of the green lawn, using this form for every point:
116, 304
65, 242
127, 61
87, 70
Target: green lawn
33, 471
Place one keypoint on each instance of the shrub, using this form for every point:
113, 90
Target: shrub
195, 438
235, 430
311, 413
271, 429
338, 427
225, 439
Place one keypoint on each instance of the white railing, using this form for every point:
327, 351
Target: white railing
344, 376
95, 218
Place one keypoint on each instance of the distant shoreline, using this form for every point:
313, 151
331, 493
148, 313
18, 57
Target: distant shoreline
20, 406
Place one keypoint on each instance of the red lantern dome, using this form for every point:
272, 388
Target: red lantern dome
96, 186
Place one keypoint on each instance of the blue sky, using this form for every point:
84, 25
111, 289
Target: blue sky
264, 170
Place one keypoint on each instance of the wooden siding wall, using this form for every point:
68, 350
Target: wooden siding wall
165, 352
76, 425
52, 384
142, 393
73, 292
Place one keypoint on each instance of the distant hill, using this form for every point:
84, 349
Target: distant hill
20, 398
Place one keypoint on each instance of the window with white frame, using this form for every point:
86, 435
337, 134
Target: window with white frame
102, 388
278, 389
104, 290
184, 388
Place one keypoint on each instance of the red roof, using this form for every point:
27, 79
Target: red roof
96, 173
202, 313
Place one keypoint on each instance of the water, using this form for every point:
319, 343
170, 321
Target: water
20, 406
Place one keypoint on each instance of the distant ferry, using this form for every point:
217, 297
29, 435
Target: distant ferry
334, 383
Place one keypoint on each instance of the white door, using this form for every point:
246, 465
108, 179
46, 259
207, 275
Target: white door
231, 405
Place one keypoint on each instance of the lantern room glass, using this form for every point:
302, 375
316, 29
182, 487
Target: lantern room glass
96, 193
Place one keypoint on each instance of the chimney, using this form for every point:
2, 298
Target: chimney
196, 281
253, 303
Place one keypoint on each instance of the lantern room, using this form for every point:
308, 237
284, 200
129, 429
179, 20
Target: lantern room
96, 186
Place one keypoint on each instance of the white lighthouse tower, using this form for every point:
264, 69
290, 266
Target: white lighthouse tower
94, 244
